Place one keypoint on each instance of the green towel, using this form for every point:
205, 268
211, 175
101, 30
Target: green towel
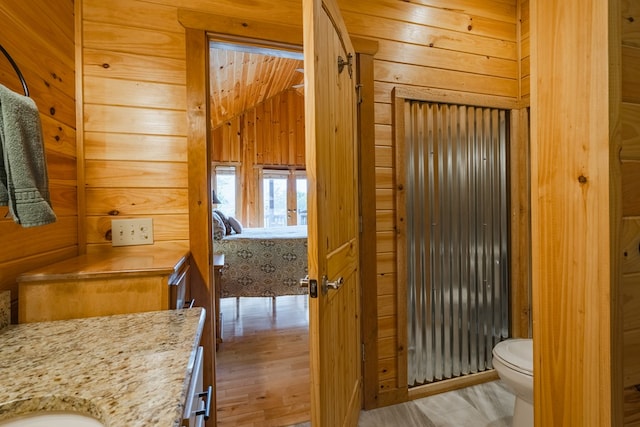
24, 185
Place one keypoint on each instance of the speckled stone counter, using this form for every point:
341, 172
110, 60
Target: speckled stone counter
126, 370
5, 308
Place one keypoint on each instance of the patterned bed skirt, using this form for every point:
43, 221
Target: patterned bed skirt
259, 267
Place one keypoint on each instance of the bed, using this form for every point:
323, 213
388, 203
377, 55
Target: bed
261, 262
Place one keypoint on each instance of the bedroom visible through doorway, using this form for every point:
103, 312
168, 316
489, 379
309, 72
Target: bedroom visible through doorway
258, 174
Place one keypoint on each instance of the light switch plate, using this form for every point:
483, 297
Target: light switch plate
130, 232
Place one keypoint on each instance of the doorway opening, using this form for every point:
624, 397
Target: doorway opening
256, 95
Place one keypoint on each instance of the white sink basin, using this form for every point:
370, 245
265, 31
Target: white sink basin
52, 419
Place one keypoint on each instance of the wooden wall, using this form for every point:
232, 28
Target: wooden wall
135, 122
525, 54
270, 135
575, 197
272, 132
450, 48
134, 105
134, 112
630, 235
39, 35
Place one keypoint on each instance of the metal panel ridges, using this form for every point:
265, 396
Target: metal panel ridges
457, 238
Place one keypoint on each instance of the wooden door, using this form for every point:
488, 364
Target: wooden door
332, 174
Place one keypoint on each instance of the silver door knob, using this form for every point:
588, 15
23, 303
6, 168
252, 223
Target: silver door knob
326, 284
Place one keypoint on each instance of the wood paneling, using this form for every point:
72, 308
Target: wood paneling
525, 57
131, 120
112, 174
275, 128
91, 298
122, 146
630, 132
165, 227
630, 193
120, 92
631, 74
575, 199
271, 135
39, 35
520, 224
630, 230
59, 235
241, 80
138, 14
630, 22
452, 80
136, 201
203, 283
134, 116
631, 406
457, 47
133, 66
631, 304
100, 35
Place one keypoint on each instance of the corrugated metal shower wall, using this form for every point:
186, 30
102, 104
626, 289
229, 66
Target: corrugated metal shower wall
457, 238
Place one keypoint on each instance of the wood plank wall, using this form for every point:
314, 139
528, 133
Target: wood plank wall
270, 135
135, 121
39, 35
134, 105
575, 190
525, 54
630, 238
274, 129
455, 48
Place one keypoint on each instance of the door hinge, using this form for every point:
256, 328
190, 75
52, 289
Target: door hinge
359, 92
346, 63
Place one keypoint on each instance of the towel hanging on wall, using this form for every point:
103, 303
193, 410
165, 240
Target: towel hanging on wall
24, 185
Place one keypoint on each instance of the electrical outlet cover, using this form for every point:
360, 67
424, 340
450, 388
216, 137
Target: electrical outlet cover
132, 231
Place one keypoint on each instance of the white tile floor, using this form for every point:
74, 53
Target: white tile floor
483, 405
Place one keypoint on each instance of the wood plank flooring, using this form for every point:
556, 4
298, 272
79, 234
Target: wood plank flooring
262, 365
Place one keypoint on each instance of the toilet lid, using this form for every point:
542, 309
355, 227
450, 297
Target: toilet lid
517, 354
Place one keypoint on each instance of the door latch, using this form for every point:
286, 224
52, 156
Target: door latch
313, 288
312, 284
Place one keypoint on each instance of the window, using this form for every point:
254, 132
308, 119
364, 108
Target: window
301, 197
274, 198
284, 198
225, 186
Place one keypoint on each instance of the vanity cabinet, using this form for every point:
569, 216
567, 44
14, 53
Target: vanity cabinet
198, 403
105, 282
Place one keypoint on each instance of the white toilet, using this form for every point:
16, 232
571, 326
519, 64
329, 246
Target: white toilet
513, 360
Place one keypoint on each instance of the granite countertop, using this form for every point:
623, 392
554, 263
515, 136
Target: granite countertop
126, 370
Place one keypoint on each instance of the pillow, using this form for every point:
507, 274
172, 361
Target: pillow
235, 224
225, 221
219, 229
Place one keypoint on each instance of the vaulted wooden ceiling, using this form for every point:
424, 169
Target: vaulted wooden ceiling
241, 78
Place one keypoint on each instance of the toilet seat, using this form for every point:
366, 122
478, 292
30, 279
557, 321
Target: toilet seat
517, 354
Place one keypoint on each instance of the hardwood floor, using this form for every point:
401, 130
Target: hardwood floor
262, 365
